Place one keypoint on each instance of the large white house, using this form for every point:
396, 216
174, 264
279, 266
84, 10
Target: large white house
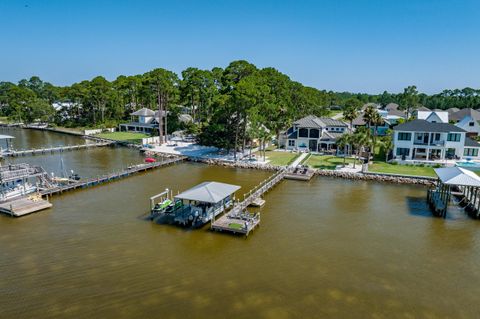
467, 119
430, 141
313, 133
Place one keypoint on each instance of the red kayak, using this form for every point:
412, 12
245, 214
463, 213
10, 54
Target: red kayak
150, 160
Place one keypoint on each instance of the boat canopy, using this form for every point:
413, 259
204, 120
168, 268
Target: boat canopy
6, 137
457, 176
209, 192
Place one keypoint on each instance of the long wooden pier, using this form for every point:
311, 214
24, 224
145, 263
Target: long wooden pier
110, 177
236, 220
14, 153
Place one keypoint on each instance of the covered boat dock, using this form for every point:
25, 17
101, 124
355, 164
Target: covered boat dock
202, 203
459, 182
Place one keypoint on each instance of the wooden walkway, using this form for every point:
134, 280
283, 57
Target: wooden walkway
54, 149
238, 222
110, 177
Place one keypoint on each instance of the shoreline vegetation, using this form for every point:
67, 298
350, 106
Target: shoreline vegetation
279, 159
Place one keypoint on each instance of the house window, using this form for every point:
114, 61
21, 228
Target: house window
303, 132
314, 133
291, 142
437, 136
403, 151
470, 152
471, 124
453, 137
402, 136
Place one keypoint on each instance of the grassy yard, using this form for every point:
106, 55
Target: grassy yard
382, 167
277, 158
124, 136
334, 112
326, 161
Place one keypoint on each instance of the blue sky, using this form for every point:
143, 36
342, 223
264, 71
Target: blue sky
341, 45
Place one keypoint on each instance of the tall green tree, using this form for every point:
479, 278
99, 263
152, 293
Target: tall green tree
163, 85
409, 100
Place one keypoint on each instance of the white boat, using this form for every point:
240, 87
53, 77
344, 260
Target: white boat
16, 189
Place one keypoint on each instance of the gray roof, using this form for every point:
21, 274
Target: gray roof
423, 108
396, 113
425, 126
460, 115
311, 121
143, 112
452, 110
391, 106
331, 136
457, 176
471, 143
209, 192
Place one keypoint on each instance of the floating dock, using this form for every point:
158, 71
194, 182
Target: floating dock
300, 173
24, 206
237, 221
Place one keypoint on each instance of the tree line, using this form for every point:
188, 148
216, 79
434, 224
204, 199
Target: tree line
229, 106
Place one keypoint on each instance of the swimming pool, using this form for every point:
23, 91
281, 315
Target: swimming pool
469, 165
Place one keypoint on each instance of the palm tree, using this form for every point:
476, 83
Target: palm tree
359, 140
343, 141
350, 113
387, 144
376, 121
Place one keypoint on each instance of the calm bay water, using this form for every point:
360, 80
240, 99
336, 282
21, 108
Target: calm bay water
327, 248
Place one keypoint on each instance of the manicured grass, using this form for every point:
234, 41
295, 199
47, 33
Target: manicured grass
334, 112
326, 161
382, 167
124, 136
277, 158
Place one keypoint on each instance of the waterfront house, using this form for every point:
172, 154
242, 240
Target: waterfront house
312, 133
390, 117
142, 121
467, 119
433, 116
422, 140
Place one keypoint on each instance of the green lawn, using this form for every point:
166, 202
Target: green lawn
124, 136
382, 167
326, 161
334, 112
277, 158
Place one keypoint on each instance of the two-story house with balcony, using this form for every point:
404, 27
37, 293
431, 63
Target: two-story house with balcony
313, 133
427, 141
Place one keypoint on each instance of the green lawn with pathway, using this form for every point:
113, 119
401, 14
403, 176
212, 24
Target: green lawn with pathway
278, 158
124, 136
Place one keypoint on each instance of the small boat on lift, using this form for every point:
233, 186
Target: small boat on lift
64, 179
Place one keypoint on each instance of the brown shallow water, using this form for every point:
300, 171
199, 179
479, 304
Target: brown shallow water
327, 248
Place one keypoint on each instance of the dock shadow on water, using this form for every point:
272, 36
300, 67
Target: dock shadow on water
418, 206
